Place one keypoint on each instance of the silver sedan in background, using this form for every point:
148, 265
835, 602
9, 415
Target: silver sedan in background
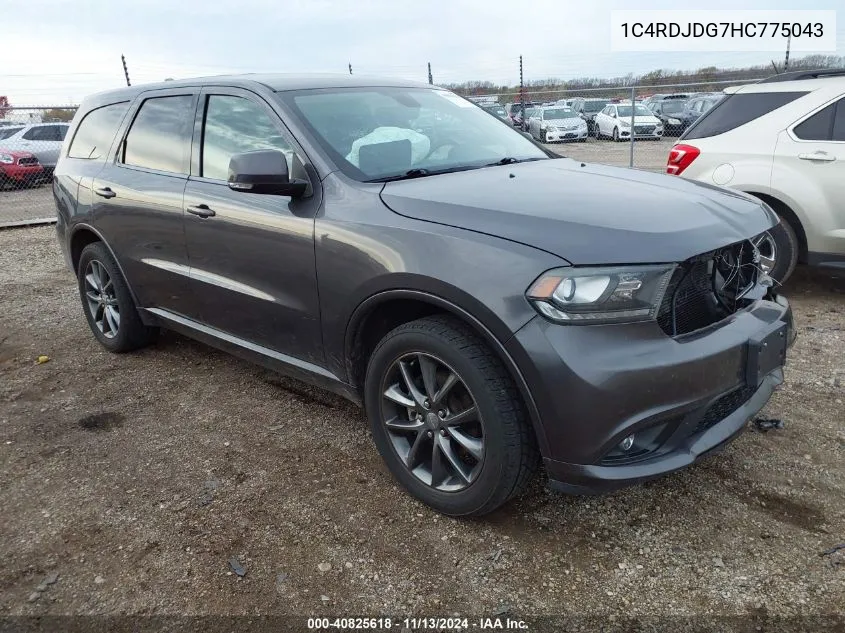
556, 123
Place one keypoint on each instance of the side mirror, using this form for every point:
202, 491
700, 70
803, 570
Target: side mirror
264, 171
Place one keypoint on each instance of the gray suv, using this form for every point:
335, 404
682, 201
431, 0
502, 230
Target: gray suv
489, 303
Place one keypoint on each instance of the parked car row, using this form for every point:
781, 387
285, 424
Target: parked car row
28, 153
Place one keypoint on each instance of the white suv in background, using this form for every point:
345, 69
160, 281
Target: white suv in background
782, 140
44, 140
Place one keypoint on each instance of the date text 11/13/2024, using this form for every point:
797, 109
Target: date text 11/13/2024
418, 624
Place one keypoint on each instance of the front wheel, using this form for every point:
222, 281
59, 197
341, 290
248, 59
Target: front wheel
615, 133
447, 418
778, 251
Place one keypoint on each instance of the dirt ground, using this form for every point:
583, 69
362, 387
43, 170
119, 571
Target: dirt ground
136, 479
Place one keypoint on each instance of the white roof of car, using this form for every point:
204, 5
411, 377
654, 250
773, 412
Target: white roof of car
799, 85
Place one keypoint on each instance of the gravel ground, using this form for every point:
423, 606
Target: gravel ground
137, 478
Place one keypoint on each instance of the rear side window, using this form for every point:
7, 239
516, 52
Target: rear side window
160, 136
96, 132
738, 109
9, 132
46, 133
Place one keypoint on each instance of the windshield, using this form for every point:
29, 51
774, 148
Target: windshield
529, 112
8, 132
380, 133
594, 106
559, 113
499, 110
625, 110
672, 106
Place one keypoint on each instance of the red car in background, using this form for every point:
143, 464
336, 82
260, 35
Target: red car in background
18, 169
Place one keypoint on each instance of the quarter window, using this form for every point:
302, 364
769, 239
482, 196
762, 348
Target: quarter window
96, 131
234, 125
160, 136
736, 110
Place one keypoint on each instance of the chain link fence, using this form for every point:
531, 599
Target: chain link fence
658, 116
598, 130
30, 143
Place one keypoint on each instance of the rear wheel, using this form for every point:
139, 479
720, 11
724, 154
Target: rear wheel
447, 419
108, 305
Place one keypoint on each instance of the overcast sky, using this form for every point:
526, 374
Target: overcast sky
57, 51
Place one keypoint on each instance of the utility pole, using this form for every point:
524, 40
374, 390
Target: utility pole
125, 70
521, 89
350, 68
430, 78
786, 61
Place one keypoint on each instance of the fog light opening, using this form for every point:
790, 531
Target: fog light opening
626, 444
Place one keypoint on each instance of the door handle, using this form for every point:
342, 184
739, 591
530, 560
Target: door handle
105, 192
820, 156
201, 210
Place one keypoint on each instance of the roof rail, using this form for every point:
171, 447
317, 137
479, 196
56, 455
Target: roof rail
797, 75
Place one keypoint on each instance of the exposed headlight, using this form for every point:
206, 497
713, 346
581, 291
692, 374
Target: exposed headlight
674, 122
625, 122
597, 295
551, 128
7, 159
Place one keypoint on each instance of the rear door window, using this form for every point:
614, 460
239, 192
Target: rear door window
96, 131
828, 124
160, 136
818, 127
736, 110
839, 121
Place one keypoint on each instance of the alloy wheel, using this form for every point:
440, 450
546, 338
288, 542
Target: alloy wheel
433, 422
765, 243
101, 299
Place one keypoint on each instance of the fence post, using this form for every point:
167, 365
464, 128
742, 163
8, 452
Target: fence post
633, 130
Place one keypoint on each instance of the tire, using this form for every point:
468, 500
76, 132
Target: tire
785, 245
99, 276
508, 450
616, 134
597, 130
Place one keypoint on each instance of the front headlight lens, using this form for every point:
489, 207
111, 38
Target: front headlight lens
6, 159
602, 294
674, 121
625, 122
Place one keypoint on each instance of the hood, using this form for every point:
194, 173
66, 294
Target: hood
586, 214
642, 119
565, 123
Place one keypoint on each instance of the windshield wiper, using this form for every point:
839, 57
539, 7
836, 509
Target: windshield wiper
417, 172
420, 172
510, 160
